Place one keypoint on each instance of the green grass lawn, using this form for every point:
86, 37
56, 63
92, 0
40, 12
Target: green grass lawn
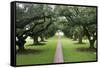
44, 54
38, 54
72, 51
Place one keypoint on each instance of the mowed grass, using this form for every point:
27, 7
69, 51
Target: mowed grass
38, 54
72, 54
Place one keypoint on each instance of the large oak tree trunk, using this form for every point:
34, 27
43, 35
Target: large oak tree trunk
91, 43
80, 38
42, 38
21, 47
36, 40
75, 37
91, 40
21, 43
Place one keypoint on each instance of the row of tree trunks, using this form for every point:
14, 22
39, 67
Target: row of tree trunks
21, 41
90, 38
79, 38
91, 41
36, 41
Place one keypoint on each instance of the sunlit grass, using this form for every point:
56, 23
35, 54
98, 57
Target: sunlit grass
44, 54
72, 54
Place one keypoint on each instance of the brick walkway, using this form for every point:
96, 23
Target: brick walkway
58, 58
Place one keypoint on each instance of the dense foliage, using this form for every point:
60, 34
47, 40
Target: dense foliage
41, 20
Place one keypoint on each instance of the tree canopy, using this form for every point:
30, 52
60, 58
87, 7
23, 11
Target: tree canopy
42, 20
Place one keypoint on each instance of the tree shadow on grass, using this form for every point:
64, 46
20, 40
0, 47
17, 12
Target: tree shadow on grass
39, 44
44, 41
86, 49
79, 43
29, 51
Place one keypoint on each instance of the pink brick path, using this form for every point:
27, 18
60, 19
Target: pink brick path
58, 58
